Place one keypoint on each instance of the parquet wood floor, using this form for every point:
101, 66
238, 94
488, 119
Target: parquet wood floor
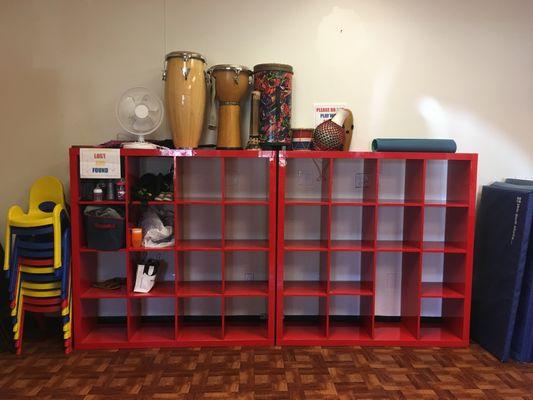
295, 373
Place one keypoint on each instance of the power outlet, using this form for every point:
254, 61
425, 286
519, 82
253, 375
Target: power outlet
361, 180
248, 276
304, 179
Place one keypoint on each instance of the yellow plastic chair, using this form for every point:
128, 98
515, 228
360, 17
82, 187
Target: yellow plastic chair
44, 191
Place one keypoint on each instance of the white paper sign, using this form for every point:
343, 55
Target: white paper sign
325, 111
100, 163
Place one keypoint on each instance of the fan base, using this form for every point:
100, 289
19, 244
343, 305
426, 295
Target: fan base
139, 145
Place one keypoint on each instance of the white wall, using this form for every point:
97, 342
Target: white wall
407, 68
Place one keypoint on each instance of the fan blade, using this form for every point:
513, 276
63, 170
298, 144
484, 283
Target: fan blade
143, 125
128, 105
150, 102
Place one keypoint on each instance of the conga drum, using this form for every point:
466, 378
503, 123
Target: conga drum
231, 82
185, 97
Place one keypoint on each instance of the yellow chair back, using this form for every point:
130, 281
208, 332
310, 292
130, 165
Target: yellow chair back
44, 192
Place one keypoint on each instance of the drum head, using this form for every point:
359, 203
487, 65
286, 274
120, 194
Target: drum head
185, 54
230, 67
273, 67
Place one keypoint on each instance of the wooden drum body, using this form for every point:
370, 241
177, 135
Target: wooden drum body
185, 97
231, 83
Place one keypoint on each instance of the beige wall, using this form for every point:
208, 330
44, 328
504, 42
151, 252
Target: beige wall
407, 68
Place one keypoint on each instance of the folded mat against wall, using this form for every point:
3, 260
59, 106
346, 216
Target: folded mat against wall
503, 229
419, 145
522, 345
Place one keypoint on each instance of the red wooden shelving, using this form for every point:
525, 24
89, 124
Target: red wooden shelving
343, 219
233, 193
346, 219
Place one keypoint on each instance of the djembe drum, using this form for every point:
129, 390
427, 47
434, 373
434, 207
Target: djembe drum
231, 83
185, 97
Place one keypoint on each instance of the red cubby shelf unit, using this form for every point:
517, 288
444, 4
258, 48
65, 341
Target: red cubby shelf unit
215, 285
374, 248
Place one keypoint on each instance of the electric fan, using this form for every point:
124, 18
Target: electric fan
140, 113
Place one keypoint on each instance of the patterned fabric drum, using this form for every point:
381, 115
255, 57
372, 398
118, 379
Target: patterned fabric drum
185, 97
274, 82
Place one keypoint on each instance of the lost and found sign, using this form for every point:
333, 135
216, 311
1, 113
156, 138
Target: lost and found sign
100, 163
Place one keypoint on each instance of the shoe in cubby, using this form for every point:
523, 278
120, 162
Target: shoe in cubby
102, 275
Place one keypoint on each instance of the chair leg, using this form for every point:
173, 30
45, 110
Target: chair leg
20, 332
7, 247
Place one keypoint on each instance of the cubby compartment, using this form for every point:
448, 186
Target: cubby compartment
442, 320
354, 180
245, 318
103, 322
199, 319
350, 317
351, 273
353, 227
305, 273
304, 318
401, 181
448, 182
107, 231
102, 274
246, 227
459, 184
150, 180
201, 227
199, 179
246, 273
200, 273
443, 275
152, 319
306, 227
307, 180
246, 179
157, 223
399, 228
445, 229
397, 301
436, 181
165, 276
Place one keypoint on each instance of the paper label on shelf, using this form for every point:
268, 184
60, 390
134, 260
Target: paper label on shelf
325, 111
100, 163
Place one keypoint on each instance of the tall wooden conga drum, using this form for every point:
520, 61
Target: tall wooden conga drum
185, 96
231, 83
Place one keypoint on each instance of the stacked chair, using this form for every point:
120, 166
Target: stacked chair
37, 258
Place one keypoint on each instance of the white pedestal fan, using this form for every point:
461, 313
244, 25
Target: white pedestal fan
140, 113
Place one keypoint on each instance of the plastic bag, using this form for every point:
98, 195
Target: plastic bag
157, 226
